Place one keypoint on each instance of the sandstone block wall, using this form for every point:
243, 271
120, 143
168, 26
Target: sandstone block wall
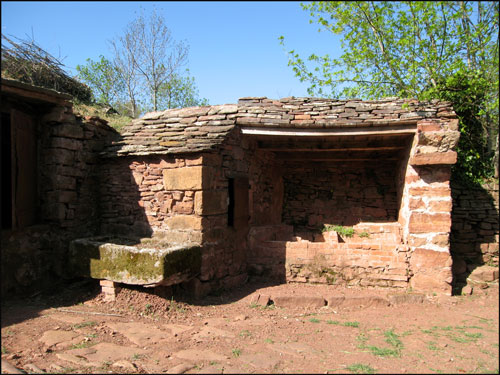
180, 199
35, 256
144, 196
474, 230
318, 193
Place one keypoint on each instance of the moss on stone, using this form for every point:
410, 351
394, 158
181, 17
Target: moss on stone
130, 265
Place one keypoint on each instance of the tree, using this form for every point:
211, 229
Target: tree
415, 49
124, 49
154, 55
179, 92
145, 71
103, 78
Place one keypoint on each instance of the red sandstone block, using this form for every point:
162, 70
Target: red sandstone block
424, 223
302, 122
428, 126
298, 301
375, 253
357, 252
440, 206
397, 271
369, 301
416, 204
107, 283
302, 117
449, 157
430, 191
385, 258
430, 259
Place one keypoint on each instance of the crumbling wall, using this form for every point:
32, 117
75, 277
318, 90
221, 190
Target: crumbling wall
34, 256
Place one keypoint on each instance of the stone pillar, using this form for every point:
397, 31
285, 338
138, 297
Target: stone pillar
426, 206
110, 289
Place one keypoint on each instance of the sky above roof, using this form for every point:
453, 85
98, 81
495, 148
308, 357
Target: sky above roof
234, 48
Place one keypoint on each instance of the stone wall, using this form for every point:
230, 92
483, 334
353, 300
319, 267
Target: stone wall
224, 251
266, 189
181, 199
68, 146
145, 195
474, 230
318, 193
373, 256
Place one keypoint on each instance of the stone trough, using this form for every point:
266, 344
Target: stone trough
147, 262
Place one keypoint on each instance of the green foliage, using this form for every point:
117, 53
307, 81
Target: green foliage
476, 108
144, 73
426, 50
103, 78
343, 231
179, 92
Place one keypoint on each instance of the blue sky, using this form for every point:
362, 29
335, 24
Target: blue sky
234, 48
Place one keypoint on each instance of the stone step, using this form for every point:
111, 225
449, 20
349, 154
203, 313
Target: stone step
287, 301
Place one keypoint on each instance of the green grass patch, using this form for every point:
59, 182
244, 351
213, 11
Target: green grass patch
359, 368
351, 324
393, 339
473, 335
383, 352
236, 352
114, 120
314, 320
431, 345
345, 324
335, 322
390, 337
84, 324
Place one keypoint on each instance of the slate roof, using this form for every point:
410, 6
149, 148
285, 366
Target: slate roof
196, 129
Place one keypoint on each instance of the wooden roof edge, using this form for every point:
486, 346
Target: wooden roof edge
35, 93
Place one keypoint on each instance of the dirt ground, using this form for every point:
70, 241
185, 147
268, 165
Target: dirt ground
74, 331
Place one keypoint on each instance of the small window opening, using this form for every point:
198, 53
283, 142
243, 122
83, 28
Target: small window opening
230, 208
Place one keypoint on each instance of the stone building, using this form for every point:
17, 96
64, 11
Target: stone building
252, 186
295, 190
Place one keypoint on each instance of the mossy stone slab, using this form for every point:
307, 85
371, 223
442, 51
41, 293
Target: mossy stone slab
118, 260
